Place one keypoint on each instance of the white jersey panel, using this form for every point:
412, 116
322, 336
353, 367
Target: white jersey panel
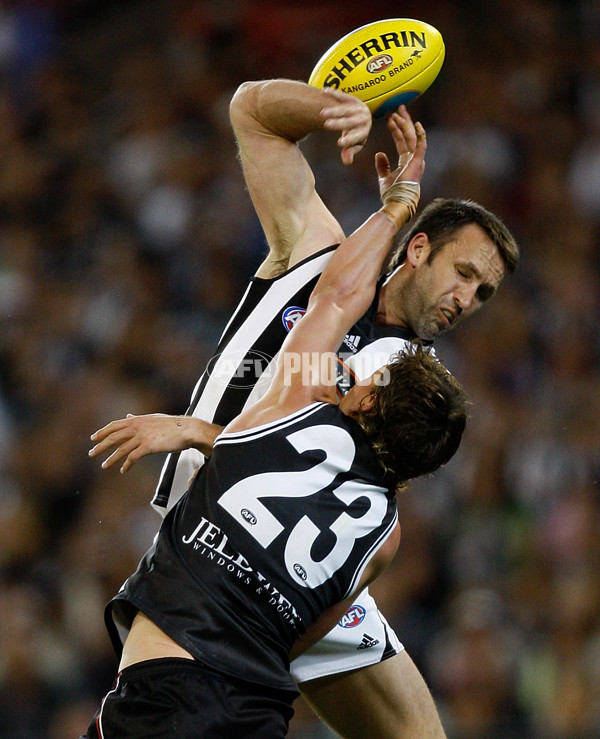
358, 640
221, 376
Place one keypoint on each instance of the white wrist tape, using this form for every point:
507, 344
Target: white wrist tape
406, 192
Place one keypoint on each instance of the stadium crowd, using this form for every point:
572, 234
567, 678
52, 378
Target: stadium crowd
126, 239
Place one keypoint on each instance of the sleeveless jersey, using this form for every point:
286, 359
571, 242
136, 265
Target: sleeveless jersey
278, 526
242, 366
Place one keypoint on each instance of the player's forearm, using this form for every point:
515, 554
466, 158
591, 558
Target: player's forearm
350, 278
127, 440
348, 282
201, 435
286, 108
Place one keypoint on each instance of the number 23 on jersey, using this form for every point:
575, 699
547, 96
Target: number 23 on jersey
243, 501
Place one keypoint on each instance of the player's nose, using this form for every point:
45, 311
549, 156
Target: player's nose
464, 297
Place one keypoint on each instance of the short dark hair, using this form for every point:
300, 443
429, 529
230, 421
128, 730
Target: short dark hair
419, 415
443, 217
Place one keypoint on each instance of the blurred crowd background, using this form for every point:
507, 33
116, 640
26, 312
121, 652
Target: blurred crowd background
126, 239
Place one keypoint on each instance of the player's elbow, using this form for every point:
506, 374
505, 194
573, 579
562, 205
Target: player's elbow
244, 102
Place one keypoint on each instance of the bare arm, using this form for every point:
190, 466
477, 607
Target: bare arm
341, 296
345, 289
131, 438
269, 118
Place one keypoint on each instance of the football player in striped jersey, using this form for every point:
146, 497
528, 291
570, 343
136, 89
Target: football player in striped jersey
448, 264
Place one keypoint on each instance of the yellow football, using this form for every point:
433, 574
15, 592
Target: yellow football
385, 63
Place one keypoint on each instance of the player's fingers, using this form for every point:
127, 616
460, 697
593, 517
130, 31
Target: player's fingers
403, 115
121, 452
115, 457
351, 143
416, 167
336, 92
403, 131
132, 458
410, 136
102, 447
354, 128
350, 106
395, 128
405, 144
399, 117
113, 439
109, 429
347, 113
382, 164
349, 152
421, 146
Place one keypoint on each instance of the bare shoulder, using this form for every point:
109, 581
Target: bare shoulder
280, 402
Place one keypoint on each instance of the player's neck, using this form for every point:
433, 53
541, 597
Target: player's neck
389, 305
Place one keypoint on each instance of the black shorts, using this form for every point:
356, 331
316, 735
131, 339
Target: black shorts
184, 699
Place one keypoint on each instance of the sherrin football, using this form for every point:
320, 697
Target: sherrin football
385, 63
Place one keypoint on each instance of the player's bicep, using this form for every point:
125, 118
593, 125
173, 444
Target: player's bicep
306, 366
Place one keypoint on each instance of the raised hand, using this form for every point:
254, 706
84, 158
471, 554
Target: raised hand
411, 144
352, 117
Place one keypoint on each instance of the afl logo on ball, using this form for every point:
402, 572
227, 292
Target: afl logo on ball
353, 616
379, 63
291, 315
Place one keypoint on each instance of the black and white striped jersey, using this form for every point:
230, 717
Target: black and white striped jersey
279, 526
242, 366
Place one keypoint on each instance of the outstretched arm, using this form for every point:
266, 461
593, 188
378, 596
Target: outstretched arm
131, 438
347, 286
269, 118
343, 293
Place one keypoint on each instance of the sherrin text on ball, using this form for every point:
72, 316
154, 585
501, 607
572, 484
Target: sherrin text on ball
384, 63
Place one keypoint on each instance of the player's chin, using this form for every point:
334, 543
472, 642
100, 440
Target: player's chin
427, 335
434, 331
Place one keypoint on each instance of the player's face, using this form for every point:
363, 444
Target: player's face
460, 278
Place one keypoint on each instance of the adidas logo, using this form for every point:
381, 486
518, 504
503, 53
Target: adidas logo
367, 642
352, 342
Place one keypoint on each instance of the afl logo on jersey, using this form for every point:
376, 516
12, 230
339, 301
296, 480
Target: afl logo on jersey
248, 516
353, 617
291, 315
300, 571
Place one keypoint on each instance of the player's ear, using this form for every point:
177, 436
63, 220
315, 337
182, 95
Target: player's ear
367, 403
418, 249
